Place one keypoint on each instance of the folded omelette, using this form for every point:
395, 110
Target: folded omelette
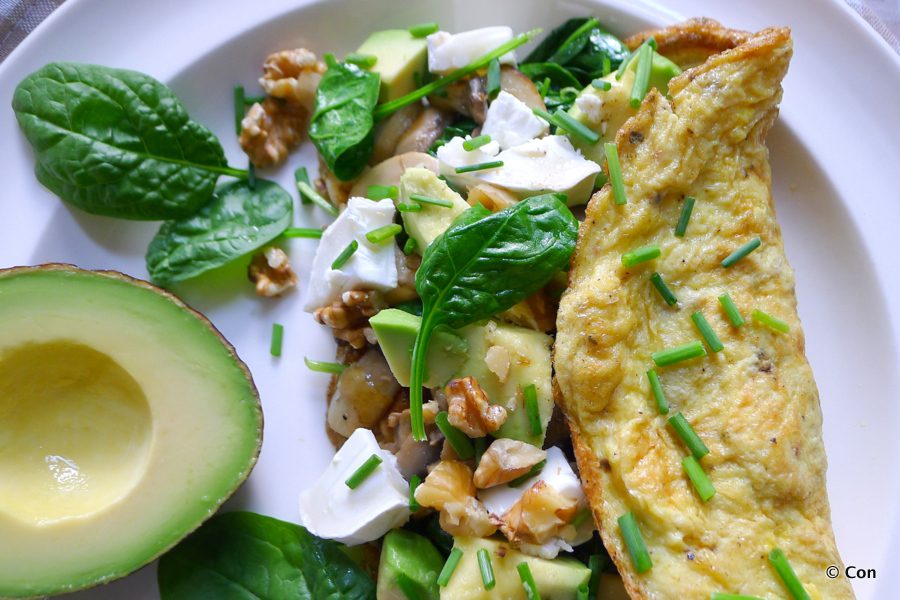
754, 404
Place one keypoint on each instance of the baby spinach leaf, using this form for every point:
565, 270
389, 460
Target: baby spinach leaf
242, 555
579, 47
117, 143
236, 221
483, 265
342, 125
559, 76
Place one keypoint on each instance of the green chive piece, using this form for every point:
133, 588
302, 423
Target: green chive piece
409, 246
564, 120
531, 407
404, 207
642, 254
698, 477
788, 576
531, 591
363, 472
487, 571
493, 78
277, 337
624, 64
239, 107
583, 592
596, 563
494, 164
308, 194
423, 29
301, 174
662, 405
532, 472
615, 173
429, 200
251, 100
449, 566
581, 517
640, 557
365, 61
380, 192
731, 310
321, 366
476, 142
664, 291
414, 482
345, 255
687, 434
606, 68
602, 85
686, 210
770, 321
302, 232
642, 76
724, 596
670, 356
741, 252
460, 443
382, 234
709, 334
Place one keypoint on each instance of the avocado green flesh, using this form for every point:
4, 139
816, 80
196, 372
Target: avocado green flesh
431, 221
127, 422
401, 60
409, 563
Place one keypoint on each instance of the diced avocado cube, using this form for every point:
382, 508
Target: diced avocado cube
409, 567
424, 226
556, 579
396, 332
401, 61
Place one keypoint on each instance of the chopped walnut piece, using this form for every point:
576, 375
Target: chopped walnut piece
538, 516
497, 360
449, 489
269, 131
504, 460
470, 410
349, 317
293, 75
470, 519
271, 271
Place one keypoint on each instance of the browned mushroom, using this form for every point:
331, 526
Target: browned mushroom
467, 97
388, 172
516, 83
424, 131
389, 132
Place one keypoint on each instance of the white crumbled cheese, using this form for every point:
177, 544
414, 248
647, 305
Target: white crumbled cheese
449, 51
510, 122
453, 153
591, 105
548, 164
372, 266
331, 510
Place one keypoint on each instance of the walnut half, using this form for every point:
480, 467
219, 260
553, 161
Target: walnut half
349, 318
271, 271
504, 460
469, 409
539, 515
270, 130
449, 489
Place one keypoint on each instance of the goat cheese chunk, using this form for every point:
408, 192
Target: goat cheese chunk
371, 267
510, 122
450, 51
331, 510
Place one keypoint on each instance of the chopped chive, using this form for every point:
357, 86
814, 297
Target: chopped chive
423, 29
698, 477
640, 557
709, 334
686, 211
662, 405
602, 85
449, 566
581, 517
687, 434
741, 252
788, 576
380, 192
308, 194
487, 571
480, 445
642, 76
321, 366
564, 120
239, 108
639, 255
366, 61
414, 482
251, 100
301, 174
724, 596
460, 443
363, 472
429, 200
664, 291
615, 173
493, 78
770, 321
596, 563
476, 142
583, 592
531, 407
409, 246
624, 64
302, 232
532, 472
494, 164
251, 176
345, 255
384, 233
670, 356
277, 337
606, 68
413, 207
731, 310
545, 87
531, 591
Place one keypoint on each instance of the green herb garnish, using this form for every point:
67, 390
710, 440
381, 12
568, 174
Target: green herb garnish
380, 192
770, 321
640, 557
493, 164
741, 252
384, 233
687, 434
476, 142
642, 76
531, 407
662, 405
460, 443
302, 232
670, 356
240, 105
787, 574
277, 337
615, 173
493, 78
414, 482
409, 246
423, 29
731, 310
709, 334
432, 201
602, 85
449, 567
366, 61
685, 217
530, 587
345, 255
363, 472
698, 477
309, 195
532, 472
487, 571
664, 291
409, 207
640, 255
321, 366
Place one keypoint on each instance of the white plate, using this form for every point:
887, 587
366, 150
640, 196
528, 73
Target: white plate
834, 157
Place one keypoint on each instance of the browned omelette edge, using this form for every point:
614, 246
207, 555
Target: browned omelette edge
691, 42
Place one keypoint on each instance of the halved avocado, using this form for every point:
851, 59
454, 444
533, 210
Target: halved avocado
127, 420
